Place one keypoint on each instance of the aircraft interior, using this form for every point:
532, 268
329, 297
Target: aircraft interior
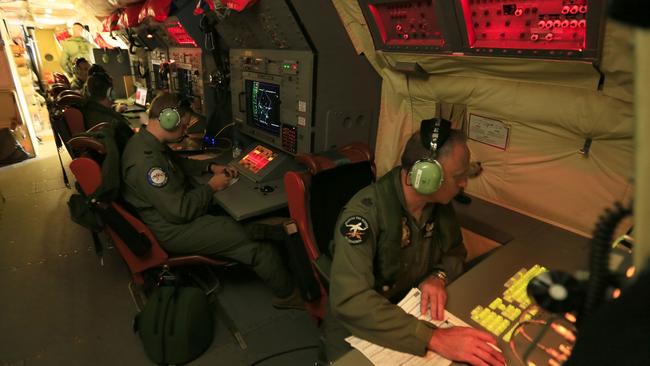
526, 207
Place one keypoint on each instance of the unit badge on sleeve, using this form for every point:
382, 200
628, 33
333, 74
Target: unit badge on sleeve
355, 229
157, 177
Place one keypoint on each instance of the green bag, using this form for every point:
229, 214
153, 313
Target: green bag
176, 325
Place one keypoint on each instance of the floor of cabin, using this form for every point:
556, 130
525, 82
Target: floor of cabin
60, 307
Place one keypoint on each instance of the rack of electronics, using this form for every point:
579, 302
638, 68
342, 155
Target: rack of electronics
297, 84
547, 29
172, 60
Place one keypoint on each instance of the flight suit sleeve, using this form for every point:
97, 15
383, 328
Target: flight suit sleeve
193, 167
156, 181
451, 239
64, 60
356, 304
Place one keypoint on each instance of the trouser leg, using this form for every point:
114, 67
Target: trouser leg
221, 236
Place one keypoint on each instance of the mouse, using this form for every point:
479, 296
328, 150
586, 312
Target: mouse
267, 189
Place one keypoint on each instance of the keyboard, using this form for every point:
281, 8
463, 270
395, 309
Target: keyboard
500, 317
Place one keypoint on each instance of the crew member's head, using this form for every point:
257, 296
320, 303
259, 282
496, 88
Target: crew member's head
450, 160
80, 68
99, 86
169, 115
77, 29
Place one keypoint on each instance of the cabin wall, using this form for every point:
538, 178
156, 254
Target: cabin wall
550, 107
49, 52
642, 176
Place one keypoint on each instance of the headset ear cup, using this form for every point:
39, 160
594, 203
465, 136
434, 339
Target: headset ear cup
426, 176
169, 118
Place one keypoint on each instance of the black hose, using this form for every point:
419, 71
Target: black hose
601, 246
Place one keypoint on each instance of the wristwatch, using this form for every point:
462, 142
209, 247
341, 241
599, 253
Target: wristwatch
440, 274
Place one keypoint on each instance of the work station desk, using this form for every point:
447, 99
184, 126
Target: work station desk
529, 242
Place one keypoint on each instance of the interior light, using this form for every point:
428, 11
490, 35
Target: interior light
630, 272
48, 11
616, 293
149, 35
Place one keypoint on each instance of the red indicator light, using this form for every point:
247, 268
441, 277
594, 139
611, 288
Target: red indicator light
294, 67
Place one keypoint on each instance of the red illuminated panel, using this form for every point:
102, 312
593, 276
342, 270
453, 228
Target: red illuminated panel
178, 33
257, 159
526, 24
407, 23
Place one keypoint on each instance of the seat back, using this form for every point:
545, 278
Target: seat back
89, 176
74, 120
316, 197
61, 79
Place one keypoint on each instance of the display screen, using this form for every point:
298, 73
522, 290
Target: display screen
141, 96
257, 159
263, 106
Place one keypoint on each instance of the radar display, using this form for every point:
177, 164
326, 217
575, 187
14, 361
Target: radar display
263, 101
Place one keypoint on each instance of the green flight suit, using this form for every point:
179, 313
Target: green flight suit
358, 303
95, 113
73, 48
158, 185
77, 84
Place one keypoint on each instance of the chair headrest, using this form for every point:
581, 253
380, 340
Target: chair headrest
347, 154
69, 100
87, 143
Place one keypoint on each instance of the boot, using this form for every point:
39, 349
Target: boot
293, 301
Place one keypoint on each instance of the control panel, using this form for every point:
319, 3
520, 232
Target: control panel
407, 23
546, 28
271, 94
185, 72
553, 29
159, 69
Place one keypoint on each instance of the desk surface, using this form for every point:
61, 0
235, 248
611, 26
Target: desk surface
538, 243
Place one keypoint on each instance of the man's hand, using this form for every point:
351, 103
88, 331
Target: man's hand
433, 296
219, 182
226, 170
466, 345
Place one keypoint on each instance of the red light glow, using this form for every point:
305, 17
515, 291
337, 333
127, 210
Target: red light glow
178, 33
526, 25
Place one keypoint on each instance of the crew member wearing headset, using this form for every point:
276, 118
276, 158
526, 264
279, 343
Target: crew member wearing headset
98, 106
80, 70
398, 233
157, 183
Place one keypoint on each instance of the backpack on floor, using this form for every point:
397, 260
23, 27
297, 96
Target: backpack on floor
176, 325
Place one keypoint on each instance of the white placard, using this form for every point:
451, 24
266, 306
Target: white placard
488, 131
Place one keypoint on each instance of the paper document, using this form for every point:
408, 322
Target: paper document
381, 356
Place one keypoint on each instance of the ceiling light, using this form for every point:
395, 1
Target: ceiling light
48, 11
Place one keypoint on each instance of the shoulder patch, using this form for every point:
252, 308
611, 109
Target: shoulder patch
157, 177
355, 229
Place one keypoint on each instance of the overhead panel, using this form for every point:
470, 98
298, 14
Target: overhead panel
552, 29
423, 26
267, 25
557, 29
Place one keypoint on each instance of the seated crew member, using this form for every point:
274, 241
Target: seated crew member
395, 234
80, 70
157, 183
98, 107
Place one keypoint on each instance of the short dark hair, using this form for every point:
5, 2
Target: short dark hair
415, 150
97, 85
168, 100
80, 60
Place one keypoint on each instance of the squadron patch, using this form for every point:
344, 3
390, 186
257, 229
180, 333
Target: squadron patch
157, 177
355, 229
